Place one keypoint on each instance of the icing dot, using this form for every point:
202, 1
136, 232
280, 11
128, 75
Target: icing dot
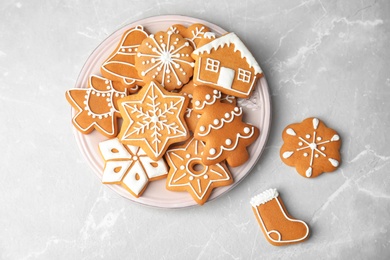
316, 155
216, 121
198, 115
236, 109
103, 95
205, 176
228, 142
308, 136
300, 143
322, 148
191, 178
135, 157
182, 167
93, 92
227, 115
319, 138
130, 49
106, 81
108, 95
215, 92
305, 154
212, 151
247, 130
197, 103
108, 87
117, 94
123, 50
98, 94
188, 155
202, 128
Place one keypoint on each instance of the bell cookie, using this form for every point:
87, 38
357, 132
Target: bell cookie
129, 166
96, 106
221, 128
165, 57
311, 147
278, 226
119, 66
153, 119
194, 33
192, 117
227, 65
188, 173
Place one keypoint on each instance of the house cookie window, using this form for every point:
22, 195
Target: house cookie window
212, 65
244, 75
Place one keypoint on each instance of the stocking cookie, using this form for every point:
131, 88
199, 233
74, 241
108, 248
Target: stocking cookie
96, 106
311, 147
192, 117
129, 166
153, 119
165, 57
194, 33
221, 128
227, 65
278, 226
188, 173
120, 65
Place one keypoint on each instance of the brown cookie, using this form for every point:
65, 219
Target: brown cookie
194, 33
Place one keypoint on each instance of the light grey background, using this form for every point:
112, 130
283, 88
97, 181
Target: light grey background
329, 59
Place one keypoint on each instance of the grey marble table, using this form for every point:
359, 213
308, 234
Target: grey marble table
328, 59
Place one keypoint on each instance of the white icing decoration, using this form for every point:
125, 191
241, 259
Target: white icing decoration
290, 131
334, 162
264, 197
212, 151
111, 173
228, 142
309, 172
287, 154
335, 138
315, 123
108, 147
222, 122
199, 105
130, 180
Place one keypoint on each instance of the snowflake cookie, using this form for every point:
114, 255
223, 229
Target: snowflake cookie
311, 147
96, 106
153, 119
194, 33
129, 166
188, 173
165, 57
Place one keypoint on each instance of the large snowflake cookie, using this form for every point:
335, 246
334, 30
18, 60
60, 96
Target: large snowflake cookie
221, 128
165, 57
119, 66
96, 106
129, 166
188, 173
311, 147
226, 64
153, 119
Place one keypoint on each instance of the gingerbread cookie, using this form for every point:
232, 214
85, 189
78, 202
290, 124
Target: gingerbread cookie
96, 106
227, 65
188, 173
278, 226
120, 65
153, 119
311, 147
192, 117
129, 166
221, 128
194, 33
165, 57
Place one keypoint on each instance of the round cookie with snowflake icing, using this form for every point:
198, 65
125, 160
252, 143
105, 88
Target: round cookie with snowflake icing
311, 147
165, 57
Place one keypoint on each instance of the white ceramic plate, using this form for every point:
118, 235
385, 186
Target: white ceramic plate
257, 111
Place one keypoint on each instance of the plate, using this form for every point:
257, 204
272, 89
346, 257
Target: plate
257, 111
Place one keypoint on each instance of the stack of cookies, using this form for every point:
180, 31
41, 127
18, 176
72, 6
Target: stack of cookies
167, 102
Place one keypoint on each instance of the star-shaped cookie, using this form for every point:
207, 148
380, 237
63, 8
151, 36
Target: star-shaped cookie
153, 119
188, 173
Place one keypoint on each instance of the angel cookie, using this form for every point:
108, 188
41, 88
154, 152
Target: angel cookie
96, 106
120, 65
221, 128
153, 119
188, 173
165, 57
311, 147
129, 166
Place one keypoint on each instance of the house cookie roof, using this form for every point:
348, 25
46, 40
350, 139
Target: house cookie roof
227, 39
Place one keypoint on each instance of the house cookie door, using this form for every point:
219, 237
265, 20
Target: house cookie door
226, 77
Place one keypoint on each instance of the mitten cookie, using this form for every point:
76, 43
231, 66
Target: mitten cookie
120, 65
221, 128
153, 119
188, 173
278, 226
311, 147
165, 57
96, 106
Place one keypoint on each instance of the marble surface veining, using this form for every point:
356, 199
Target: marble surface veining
328, 59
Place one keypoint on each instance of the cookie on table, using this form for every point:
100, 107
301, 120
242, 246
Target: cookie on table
194, 33
165, 57
96, 106
188, 173
311, 147
129, 166
226, 64
221, 128
119, 66
278, 226
153, 119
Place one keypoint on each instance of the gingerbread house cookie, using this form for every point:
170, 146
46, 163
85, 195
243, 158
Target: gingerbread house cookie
227, 65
